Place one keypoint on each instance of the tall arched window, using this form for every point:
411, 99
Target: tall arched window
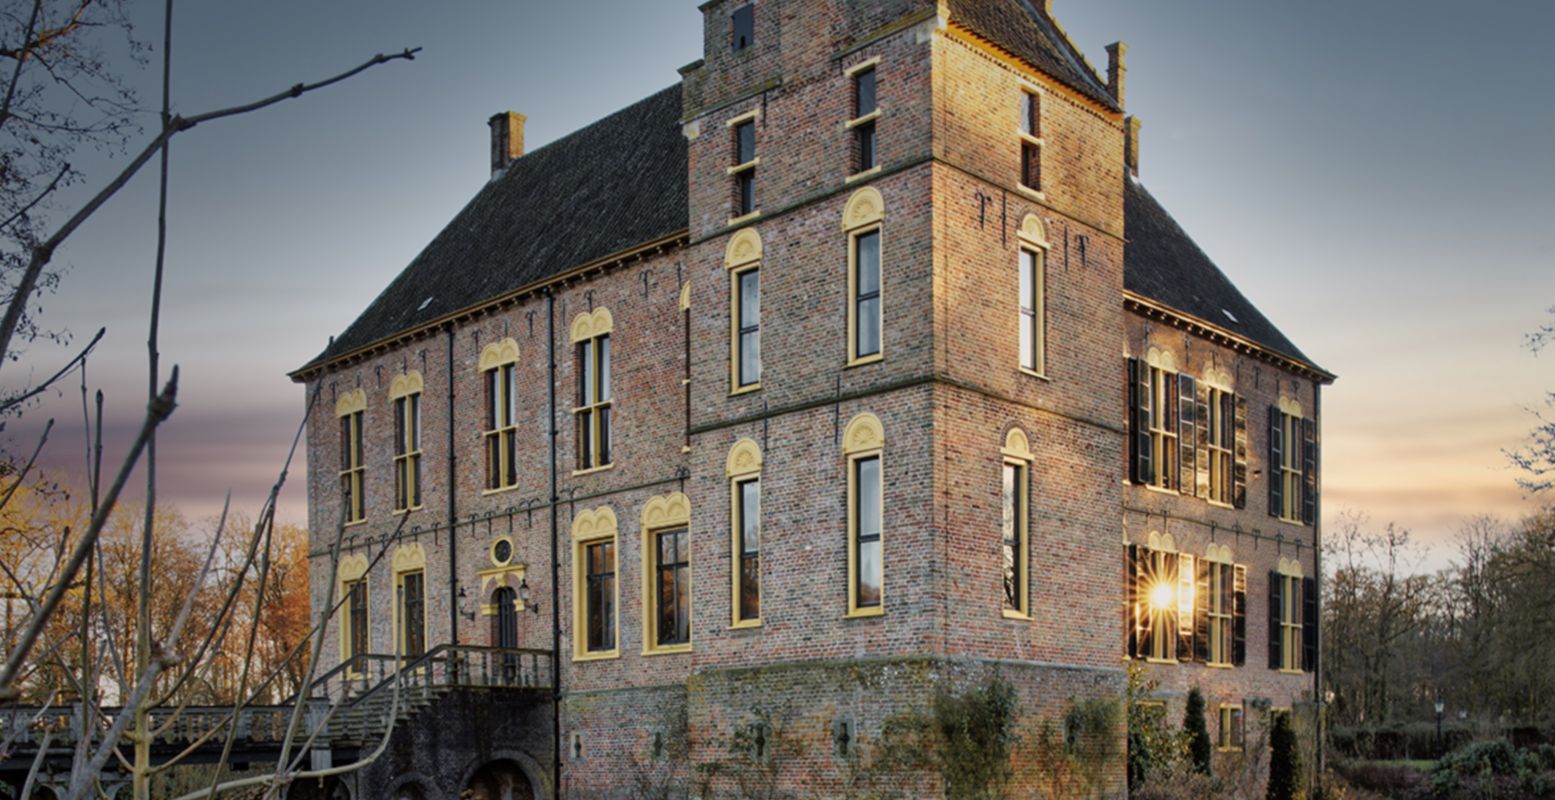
351, 409
862, 220
666, 556
595, 596
863, 446
1033, 296
355, 632
410, 588
743, 261
591, 338
744, 471
405, 397
1015, 519
499, 375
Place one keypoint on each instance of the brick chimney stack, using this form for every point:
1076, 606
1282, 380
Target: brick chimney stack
507, 140
1117, 70
1131, 144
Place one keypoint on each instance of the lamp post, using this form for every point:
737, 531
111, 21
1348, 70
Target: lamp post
1440, 709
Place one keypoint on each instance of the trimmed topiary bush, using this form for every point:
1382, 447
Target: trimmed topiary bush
1197, 730
1284, 761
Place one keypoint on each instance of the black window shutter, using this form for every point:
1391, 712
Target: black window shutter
1276, 606
1187, 434
1239, 471
1276, 460
1201, 442
1135, 397
1308, 471
1131, 599
1201, 600
1309, 624
1239, 616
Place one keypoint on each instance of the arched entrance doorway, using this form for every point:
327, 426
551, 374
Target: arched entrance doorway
499, 780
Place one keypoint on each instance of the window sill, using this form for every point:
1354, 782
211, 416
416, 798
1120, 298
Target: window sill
738, 168
1161, 661
1161, 490
668, 650
1218, 504
1035, 194
1026, 137
857, 121
1019, 616
685, 448
1042, 376
865, 175
601, 656
1228, 749
1284, 671
400, 512
1295, 522
865, 613
354, 523
1214, 665
745, 624
743, 218
755, 387
502, 490
591, 470
859, 362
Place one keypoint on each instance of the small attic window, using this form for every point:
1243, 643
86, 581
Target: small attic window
744, 27
424, 304
1230, 315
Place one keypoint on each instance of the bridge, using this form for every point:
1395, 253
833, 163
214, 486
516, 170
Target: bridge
345, 713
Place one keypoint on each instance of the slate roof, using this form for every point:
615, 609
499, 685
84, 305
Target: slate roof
622, 182
1161, 262
616, 184
1016, 27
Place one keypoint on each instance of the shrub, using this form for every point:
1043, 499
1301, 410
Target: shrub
1197, 730
1152, 745
1284, 761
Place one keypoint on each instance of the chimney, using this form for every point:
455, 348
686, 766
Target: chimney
507, 140
1117, 72
1131, 144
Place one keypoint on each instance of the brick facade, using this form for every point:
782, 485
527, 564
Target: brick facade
947, 392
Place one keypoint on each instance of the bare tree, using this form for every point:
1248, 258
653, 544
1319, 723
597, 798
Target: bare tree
52, 47
1537, 458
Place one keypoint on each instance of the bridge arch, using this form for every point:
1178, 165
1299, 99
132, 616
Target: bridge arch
506, 775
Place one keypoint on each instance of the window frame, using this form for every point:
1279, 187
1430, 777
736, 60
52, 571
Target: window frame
408, 560
864, 440
1292, 480
405, 402
863, 124
1028, 133
738, 329
743, 468
1032, 239
591, 334
1290, 623
351, 571
1232, 735
1016, 454
743, 170
351, 410
863, 215
591, 528
1221, 446
662, 515
1220, 608
1164, 442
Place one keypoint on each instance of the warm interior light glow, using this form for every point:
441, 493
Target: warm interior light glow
1161, 596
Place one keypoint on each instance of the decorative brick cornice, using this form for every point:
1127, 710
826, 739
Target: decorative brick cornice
1150, 309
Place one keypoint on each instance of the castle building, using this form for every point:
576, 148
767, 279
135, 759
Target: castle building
857, 369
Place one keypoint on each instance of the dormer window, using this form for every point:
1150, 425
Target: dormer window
744, 21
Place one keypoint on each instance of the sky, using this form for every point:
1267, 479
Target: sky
1375, 175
